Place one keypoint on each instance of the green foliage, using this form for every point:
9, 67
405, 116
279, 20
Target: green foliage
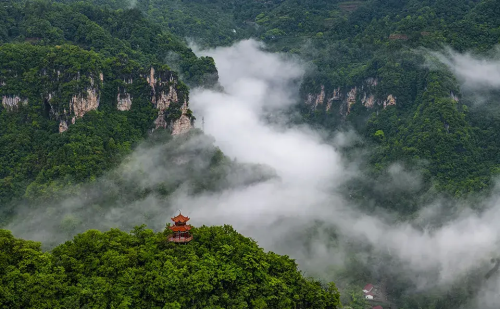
219, 268
106, 31
350, 41
36, 159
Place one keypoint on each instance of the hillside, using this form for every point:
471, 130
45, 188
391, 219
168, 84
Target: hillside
219, 268
361, 139
371, 70
78, 95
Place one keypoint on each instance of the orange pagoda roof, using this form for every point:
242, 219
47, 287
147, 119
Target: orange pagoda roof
180, 218
180, 228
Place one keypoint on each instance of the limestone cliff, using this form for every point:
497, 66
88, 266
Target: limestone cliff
184, 123
12, 102
167, 96
82, 103
66, 96
346, 98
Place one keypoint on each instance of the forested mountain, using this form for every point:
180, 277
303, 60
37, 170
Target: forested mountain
58, 65
218, 269
92, 88
377, 46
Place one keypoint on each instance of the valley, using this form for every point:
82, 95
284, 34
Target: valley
319, 148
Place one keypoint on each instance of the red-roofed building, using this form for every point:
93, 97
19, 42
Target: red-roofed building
368, 288
180, 229
180, 218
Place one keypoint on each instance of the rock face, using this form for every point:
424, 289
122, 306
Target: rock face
13, 102
183, 124
316, 99
63, 126
346, 98
368, 101
351, 99
124, 101
390, 101
83, 103
167, 95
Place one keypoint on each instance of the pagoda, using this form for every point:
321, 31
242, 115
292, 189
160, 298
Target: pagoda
180, 229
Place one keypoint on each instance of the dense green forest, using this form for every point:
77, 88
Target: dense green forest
219, 268
67, 68
351, 41
348, 42
53, 54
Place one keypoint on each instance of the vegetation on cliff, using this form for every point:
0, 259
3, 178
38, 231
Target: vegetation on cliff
59, 62
349, 42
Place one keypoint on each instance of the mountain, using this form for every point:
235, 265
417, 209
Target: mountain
58, 66
219, 268
96, 131
372, 70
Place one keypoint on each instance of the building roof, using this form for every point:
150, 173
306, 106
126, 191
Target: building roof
368, 287
180, 218
180, 228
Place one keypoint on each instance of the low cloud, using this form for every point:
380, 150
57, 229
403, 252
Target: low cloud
476, 73
294, 203
312, 172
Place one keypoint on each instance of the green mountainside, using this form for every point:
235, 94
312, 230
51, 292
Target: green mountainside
58, 65
219, 268
377, 45
87, 87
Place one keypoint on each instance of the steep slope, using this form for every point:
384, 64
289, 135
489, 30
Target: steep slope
105, 31
67, 112
80, 86
368, 69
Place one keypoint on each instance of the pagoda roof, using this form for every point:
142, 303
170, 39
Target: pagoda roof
180, 228
180, 218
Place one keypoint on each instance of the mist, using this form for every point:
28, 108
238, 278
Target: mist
296, 191
475, 72
312, 171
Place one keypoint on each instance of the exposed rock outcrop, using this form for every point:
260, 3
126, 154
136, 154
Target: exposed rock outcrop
346, 98
316, 99
183, 124
164, 94
351, 99
390, 101
63, 126
368, 101
68, 96
124, 101
81, 103
13, 102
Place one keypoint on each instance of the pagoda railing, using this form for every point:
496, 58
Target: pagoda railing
180, 239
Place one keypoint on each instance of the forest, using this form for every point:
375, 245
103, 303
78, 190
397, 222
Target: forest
218, 269
374, 67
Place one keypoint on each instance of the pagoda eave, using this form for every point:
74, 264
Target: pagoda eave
180, 228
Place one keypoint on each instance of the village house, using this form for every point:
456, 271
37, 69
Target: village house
368, 288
